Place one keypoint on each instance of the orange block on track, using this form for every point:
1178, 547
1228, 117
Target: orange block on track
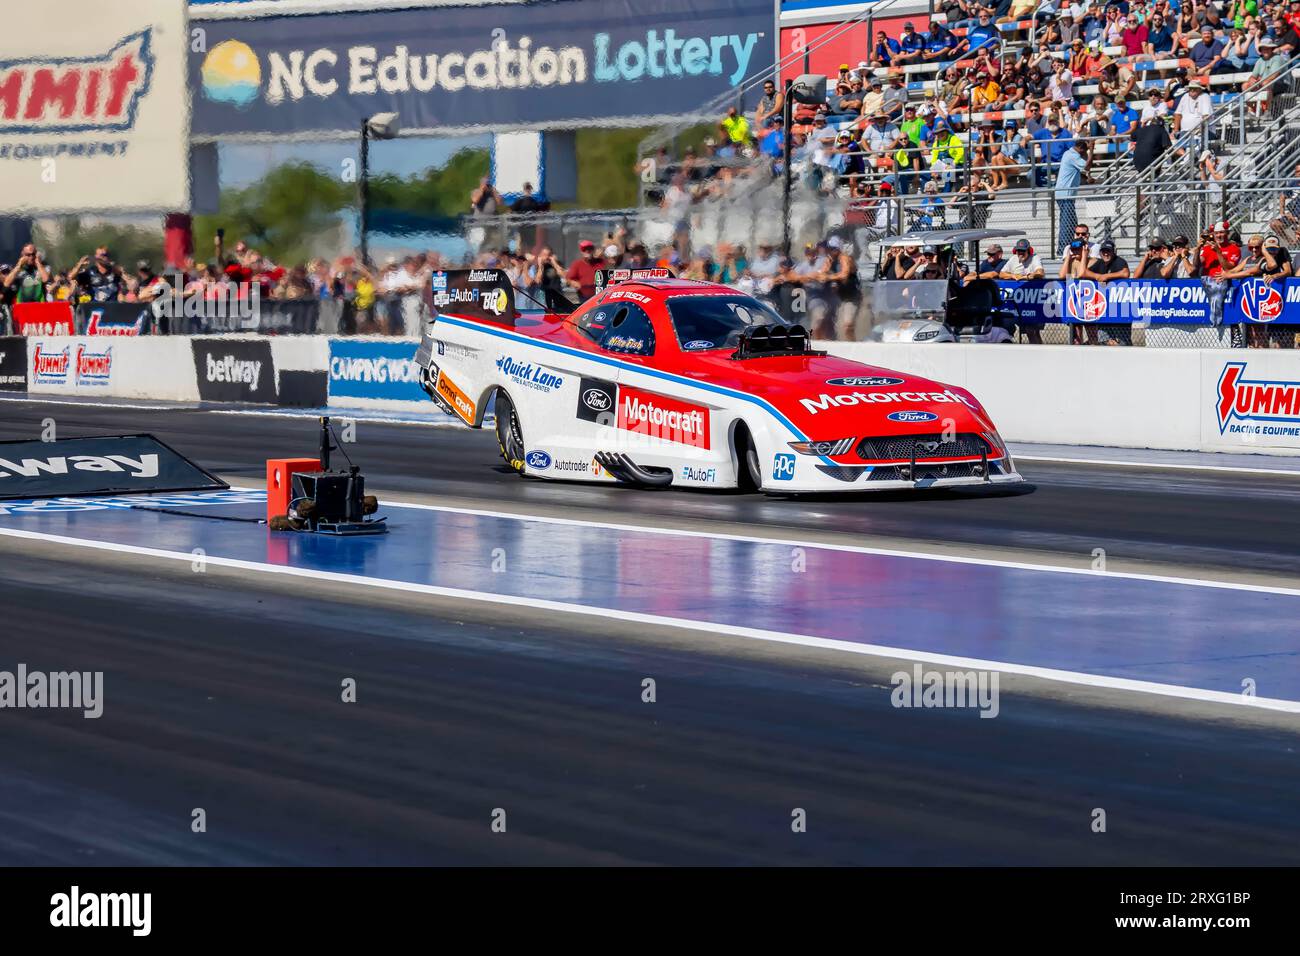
279, 482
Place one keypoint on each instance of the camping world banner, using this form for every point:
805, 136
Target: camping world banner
93, 107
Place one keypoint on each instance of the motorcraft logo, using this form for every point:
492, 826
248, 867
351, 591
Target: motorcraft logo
1085, 301
1260, 301
527, 374
50, 368
238, 371
233, 73
664, 418
1258, 407
849, 399
94, 368
380, 369
71, 94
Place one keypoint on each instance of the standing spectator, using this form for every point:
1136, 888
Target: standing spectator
483, 201
1152, 264
1073, 172
545, 275
527, 202
1192, 110
100, 281
582, 271
1215, 254
1178, 264
26, 281
845, 289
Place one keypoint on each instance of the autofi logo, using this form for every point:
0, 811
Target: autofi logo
76, 94
1085, 301
1257, 407
538, 459
94, 368
782, 467
1260, 301
867, 381
50, 368
911, 416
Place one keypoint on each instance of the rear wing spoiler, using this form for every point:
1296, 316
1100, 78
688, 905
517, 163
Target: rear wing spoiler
485, 294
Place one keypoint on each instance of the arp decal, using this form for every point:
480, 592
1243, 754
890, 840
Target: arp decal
452, 394
596, 400
1275, 405
659, 416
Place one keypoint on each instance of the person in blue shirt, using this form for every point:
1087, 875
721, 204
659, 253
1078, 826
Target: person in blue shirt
1053, 141
940, 43
1073, 171
983, 35
911, 46
773, 144
1123, 118
1160, 36
886, 49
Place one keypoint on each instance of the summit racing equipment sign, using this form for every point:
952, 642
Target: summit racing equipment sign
96, 466
94, 117
534, 65
1258, 407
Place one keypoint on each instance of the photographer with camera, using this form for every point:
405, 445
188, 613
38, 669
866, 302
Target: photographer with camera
97, 279
1216, 254
27, 280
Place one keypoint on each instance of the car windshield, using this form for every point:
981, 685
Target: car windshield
909, 297
716, 321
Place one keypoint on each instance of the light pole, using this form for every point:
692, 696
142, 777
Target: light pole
380, 126
810, 89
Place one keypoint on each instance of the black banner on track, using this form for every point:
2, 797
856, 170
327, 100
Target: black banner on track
122, 464
13, 363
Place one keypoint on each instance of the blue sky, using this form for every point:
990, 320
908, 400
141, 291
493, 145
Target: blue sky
244, 164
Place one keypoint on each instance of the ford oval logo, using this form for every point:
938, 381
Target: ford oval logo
596, 399
700, 344
912, 416
867, 381
538, 459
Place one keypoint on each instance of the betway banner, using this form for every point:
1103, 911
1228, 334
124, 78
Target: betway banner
1152, 301
535, 65
120, 464
93, 114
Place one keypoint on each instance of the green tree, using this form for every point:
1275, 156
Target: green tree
72, 240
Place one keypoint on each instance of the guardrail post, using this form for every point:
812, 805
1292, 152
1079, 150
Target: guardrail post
1137, 224
1051, 228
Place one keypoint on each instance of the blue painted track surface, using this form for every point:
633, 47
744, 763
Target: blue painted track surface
1193, 636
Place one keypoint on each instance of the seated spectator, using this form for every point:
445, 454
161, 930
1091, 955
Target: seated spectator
1153, 262
895, 96
1024, 263
984, 35
931, 210
1134, 36
911, 46
885, 50
1060, 88
991, 266
773, 145
770, 105
873, 100
1209, 56
846, 105
1266, 67
735, 130
985, 93
1287, 223
1019, 10
1155, 106
1160, 39
940, 44
1012, 158
1242, 51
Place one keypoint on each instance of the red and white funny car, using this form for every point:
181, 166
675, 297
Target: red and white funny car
663, 381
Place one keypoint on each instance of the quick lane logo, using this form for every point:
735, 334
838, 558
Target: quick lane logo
70, 94
458, 399
94, 368
849, 399
76, 908
238, 371
50, 368
664, 418
146, 466
233, 73
529, 375
1272, 406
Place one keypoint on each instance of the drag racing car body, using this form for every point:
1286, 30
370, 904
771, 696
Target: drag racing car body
661, 381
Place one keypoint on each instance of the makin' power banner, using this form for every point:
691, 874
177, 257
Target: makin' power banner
94, 111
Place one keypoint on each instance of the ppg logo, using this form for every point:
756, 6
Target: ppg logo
1084, 301
782, 467
1260, 302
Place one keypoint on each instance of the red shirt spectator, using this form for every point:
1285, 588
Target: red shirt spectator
1134, 36
582, 273
1226, 256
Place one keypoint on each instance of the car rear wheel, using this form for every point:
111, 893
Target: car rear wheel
510, 433
749, 476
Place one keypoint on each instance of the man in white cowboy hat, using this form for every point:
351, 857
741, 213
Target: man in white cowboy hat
1192, 110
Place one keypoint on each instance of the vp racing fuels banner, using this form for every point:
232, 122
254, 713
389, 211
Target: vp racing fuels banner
123, 464
93, 106
532, 65
1151, 301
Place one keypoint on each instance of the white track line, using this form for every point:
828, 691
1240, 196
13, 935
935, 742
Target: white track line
731, 630
1180, 466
